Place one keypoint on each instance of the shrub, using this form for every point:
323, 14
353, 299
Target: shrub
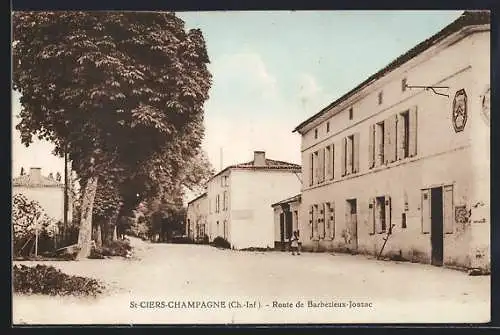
42, 279
182, 240
221, 242
115, 248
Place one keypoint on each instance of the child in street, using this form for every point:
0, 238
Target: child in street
294, 241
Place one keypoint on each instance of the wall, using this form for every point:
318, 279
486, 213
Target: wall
443, 156
51, 199
197, 212
252, 194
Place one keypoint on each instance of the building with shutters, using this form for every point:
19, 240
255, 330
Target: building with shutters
286, 217
240, 198
404, 156
196, 218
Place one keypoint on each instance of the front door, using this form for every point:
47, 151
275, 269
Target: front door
437, 226
288, 225
351, 234
282, 228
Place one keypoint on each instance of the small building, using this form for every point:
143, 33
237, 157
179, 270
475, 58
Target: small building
196, 218
240, 198
48, 191
404, 156
286, 216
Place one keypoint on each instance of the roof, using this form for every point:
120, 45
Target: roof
468, 18
288, 200
197, 198
271, 164
31, 181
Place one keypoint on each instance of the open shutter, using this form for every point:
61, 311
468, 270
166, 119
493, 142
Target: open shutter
371, 147
413, 131
371, 215
311, 220
311, 170
349, 155
448, 209
426, 211
355, 153
322, 229
315, 221
387, 140
401, 139
393, 134
388, 219
333, 160
332, 220
327, 162
343, 157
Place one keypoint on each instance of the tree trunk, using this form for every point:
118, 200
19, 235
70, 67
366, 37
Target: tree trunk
98, 240
85, 233
115, 234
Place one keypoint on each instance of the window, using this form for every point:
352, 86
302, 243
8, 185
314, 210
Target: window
330, 220
332, 160
328, 161
217, 204
351, 113
328, 126
379, 214
316, 171
350, 154
403, 85
403, 220
224, 201
379, 147
404, 135
315, 133
380, 97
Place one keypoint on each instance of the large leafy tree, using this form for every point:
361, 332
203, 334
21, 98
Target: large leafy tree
119, 91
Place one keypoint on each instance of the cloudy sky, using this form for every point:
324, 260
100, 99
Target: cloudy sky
272, 70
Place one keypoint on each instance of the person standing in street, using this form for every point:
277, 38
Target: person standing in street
294, 243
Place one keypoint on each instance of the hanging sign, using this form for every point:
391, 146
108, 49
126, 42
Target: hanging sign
459, 116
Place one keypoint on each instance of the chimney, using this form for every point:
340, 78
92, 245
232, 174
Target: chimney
259, 158
36, 174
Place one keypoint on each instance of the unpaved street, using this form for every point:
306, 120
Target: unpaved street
162, 273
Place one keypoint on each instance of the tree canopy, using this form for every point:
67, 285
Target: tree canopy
121, 92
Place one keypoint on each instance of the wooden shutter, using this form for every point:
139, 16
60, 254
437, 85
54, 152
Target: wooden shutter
311, 220
315, 220
413, 131
388, 219
371, 215
321, 165
355, 153
343, 157
378, 217
333, 160
328, 223
371, 147
401, 139
311, 170
393, 134
387, 140
322, 230
426, 211
448, 209
350, 148
332, 220
328, 161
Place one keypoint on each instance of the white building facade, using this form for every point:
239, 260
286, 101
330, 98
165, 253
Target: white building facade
240, 199
405, 156
196, 220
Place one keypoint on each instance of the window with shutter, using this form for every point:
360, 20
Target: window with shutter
380, 139
316, 164
311, 170
371, 146
343, 157
355, 153
333, 161
413, 131
311, 219
332, 220
388, 212
350, 147
327, 219
393, 149
328, 161
316, 221
322, 229
402, 138
321, 165
426, 211
371, 215
387, 140
380, 215
448, 209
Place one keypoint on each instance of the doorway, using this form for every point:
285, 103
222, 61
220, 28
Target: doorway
351, 224
437, 226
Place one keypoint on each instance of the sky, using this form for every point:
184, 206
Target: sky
273, 70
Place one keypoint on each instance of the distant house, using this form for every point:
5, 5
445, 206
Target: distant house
47, 191
240, 196
286, 219
196, 222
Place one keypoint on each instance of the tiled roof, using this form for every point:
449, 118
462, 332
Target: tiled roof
198, 197
41, 181
468, 18
271, 164
288, 200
